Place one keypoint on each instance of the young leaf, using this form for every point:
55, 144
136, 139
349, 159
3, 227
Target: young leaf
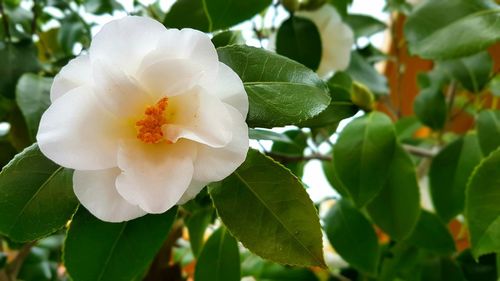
467, 27
33, 98
482, 210
220, 259
449, 173
95, 250
352, 236
266, 208
280, 91
397, 206
298, 38
488, 130
431, 234
363, 156
36, 196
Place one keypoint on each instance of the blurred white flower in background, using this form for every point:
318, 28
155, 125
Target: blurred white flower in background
147, 118
336, 36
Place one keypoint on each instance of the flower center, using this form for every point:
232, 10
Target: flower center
149, 128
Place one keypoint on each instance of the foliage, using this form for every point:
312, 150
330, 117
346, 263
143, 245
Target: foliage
260, 221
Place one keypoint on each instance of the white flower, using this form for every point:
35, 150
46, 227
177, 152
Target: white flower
147, 118
337, 39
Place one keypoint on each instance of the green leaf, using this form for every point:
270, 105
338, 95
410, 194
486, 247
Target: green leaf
449, 173
196, 224
333, 178
261, 134
100, 7
363, 155
397, 206
36, 196
298, 38
430, 108
363, 72
220, 259
263, 270
441, 268
364, 25
33, 98
488, 130
16, 58
473, 72
223, 14
187, 13
406, 127
295, 148
73, 30
280, 91
431, 234
482, 210
227, 38
467, 27
95, 250
494, 86
266, 208
352, 236
483, 269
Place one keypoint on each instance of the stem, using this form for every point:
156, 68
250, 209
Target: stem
12, 269
418, 151
451, 94
5, 21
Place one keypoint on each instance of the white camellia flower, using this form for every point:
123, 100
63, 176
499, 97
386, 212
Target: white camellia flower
337, 39
147, 118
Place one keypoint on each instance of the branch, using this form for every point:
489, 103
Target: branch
418, 151
289, 158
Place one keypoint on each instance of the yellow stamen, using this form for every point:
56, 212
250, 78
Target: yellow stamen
149, 128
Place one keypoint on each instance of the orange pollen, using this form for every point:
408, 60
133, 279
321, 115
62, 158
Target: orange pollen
149, 128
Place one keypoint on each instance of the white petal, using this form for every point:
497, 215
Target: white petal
214, 164
75, 74
118, 92
171, 77
76, 132
322, 16
155, 176
96, 190
186, 44
229, 88
126, 41
194, 188
199, 117
337, 40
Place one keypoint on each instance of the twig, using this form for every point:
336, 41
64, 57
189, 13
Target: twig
291, 158
5, 21
418, 151
13, 267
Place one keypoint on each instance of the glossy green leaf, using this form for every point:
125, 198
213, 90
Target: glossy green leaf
227, 38
219, 259
352, 236
449, 174
275, 217
280, 91
363, 72
263, 270
95, 250
16, 58
397, 206
482, 210
488, 130
364, 25
467, 27
298, 39
472, 72
36, 196
223, 14
430, 108
363, 155
431, 234
196, 224
333, 178
187, 13
261, 134
33, 98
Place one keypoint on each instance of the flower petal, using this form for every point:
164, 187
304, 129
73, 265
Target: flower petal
186, 44
155, 176
76, 132
126, 41
76, 73
96, 190
171, 77
337, 39
229, 88
118, 92
194, 188
214, 164
200, 117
